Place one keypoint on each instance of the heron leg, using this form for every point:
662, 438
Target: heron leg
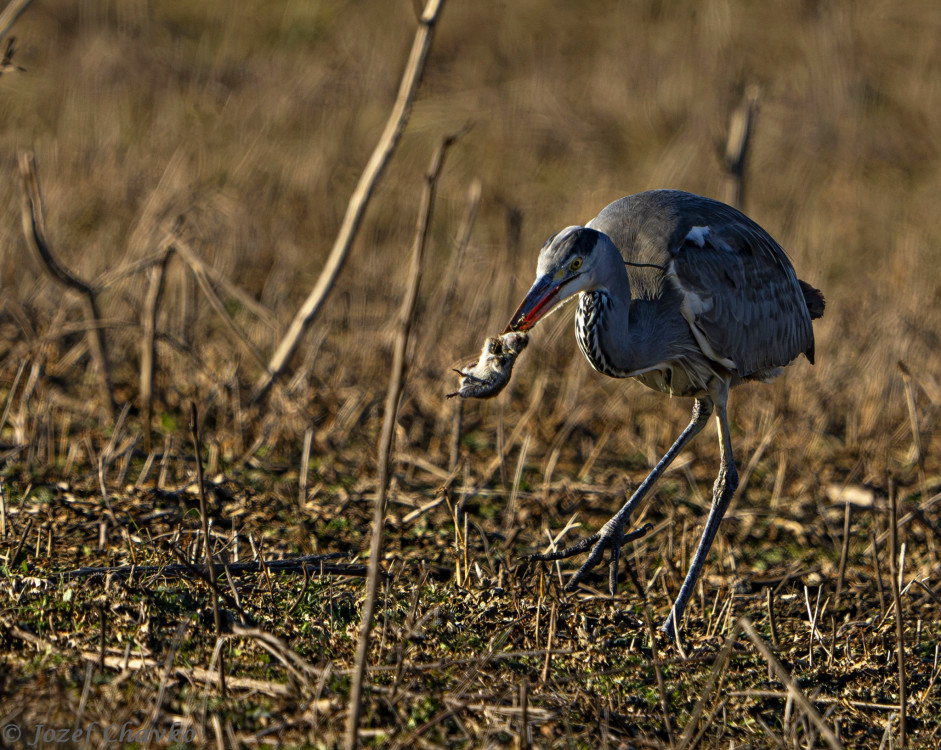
612, 536
722, 492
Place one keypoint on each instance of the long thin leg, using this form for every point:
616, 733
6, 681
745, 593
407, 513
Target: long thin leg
611, 536
722, 492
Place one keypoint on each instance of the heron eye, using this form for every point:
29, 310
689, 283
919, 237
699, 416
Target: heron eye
575, 264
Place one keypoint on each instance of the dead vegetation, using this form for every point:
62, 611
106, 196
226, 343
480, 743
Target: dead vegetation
196, 164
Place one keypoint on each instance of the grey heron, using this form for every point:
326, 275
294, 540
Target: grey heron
690, 297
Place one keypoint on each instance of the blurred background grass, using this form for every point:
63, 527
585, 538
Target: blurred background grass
253, 120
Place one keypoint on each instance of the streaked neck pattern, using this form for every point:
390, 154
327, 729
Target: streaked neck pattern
590, 321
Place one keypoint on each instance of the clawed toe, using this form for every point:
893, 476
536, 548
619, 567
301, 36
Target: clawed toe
612, 538
563, 554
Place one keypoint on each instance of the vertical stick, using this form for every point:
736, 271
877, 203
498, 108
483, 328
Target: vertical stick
148, 355
396, 379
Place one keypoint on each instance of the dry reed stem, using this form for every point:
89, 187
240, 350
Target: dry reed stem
35, 231
358, 201
396, 382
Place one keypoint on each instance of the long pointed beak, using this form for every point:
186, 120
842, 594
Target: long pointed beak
539, 300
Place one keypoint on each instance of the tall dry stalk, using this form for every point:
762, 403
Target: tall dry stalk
390, 413
358, 201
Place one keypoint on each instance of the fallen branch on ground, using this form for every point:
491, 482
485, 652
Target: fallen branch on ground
314, 565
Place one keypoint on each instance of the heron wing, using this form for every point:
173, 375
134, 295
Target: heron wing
741, 296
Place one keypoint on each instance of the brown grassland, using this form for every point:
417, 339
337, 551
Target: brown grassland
245, 127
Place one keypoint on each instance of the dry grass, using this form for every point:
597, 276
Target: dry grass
250, 126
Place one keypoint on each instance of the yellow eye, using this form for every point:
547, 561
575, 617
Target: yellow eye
575, 264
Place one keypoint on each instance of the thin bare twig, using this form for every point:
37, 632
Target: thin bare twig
358, 201
396, 380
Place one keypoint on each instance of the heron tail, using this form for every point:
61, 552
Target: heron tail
814, 300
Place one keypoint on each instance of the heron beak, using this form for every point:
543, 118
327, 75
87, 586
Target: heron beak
541, 299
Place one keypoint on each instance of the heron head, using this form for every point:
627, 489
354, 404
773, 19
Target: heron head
570, 262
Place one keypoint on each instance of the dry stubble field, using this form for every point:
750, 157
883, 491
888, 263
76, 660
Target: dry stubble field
244, 127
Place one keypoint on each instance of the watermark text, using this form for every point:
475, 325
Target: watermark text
120, 734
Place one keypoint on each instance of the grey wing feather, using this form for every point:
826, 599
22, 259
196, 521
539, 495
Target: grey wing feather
742, 298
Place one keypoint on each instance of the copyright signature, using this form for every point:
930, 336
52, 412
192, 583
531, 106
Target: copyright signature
11, 733
123, 734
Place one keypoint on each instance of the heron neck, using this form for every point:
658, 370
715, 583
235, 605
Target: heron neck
617, 334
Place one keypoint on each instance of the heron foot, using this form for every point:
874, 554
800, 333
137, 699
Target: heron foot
610, 537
